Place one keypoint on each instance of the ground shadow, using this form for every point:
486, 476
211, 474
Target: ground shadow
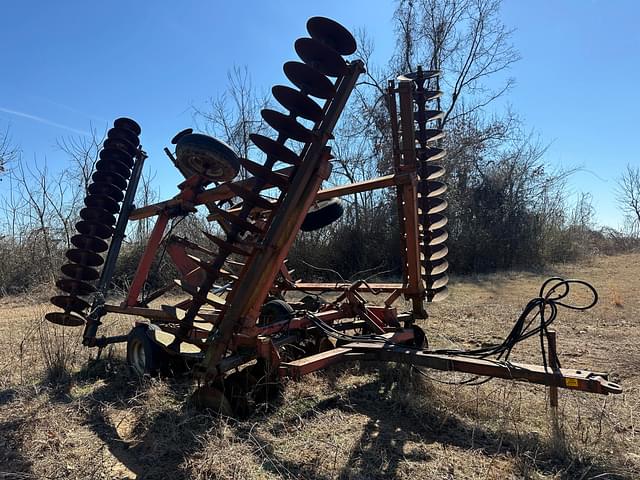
165, 440
393, 423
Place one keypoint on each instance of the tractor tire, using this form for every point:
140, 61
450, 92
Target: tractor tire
206, 156
143, 355
275, 311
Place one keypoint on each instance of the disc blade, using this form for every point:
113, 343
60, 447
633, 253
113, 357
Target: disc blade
431, 154
96, 214
80, 272
103, 202
113, 166
435, 253
275, 149
297, 103
321, 57
65, 319
123, 133
84, 257
114, 179
103, 188
332, 34
436, 282
95, 229
75, 287
437, 295
89, 242
309, 80
124, 122
116, 154
287, 126
431, 172
70, 303
436, 237
120, 144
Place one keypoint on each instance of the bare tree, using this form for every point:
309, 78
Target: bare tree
628, 195
8, 151
465, 39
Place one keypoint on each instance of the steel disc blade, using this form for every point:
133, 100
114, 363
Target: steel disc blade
95, 229
333, 34
75, 287
123, 133
114, 166
433, 134
419, 75
102, 201
436, 253
275, 149
287, 126
431, 172
84, 257
70, 303
429, 206
120, 144
437, 267
103, 188
309, 80
116, 154
321, 57
297, 103
80, 272
437, 295
436, 237
428, 115
434, 222
431, 154
124, 122
421, 96
96, 214
434, 189
65, 319
89, 242
114, 179
436, 282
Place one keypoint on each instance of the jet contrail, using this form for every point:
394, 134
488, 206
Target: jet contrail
43, 120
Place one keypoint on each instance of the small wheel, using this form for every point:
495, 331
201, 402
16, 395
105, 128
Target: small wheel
275, 311
143, 355
322, 214
206, 156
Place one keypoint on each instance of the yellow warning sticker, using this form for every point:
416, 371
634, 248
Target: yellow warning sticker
571, 382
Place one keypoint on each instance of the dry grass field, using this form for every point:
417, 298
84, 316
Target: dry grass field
97, 420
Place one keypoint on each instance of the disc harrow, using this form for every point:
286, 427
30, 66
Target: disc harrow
243, 320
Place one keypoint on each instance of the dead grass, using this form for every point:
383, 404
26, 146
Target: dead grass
354, 422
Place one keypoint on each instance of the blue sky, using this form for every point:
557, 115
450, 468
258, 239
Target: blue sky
70, 65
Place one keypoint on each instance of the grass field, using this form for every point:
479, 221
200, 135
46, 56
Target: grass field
97, 420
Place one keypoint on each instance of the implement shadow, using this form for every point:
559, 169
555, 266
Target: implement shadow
146, 425
394, 422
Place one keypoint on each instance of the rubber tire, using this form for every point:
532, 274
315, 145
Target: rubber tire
322, 214
277, 310
138, 342
216, 160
